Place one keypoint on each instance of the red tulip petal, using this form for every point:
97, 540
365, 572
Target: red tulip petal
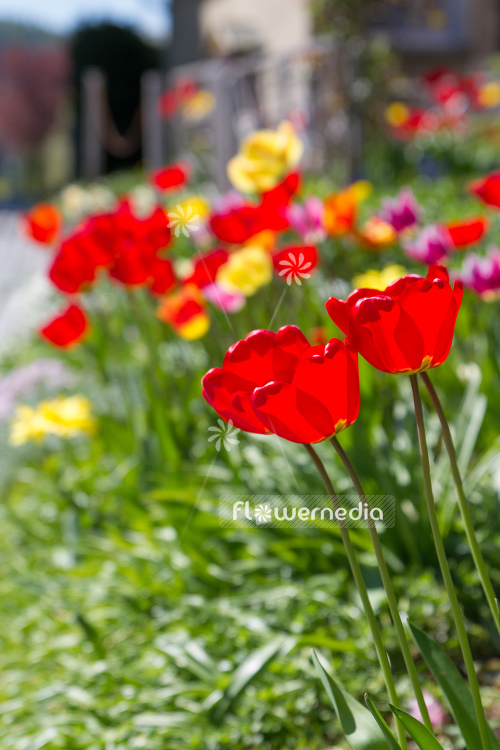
216, 393
281, 408
445, 336
264, 356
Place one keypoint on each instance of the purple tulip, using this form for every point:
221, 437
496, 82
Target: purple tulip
482, 273
402, 211
430, 245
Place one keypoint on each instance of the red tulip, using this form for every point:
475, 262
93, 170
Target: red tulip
67, 329
278, 383
488, 189
467, 232
76, 264
408, 328
295, 263
168, 178
43, 223
162, 276
185, 311
242, 223
206, 267
238, 225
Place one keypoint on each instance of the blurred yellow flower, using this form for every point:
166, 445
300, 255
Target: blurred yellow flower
246, 271
198, 106
379, 279
489, 94
63, 417
396, 114
198, 205
264, 158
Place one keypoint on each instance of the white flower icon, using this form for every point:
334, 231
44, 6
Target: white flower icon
295, 268
224, 434
262, 513
183, 219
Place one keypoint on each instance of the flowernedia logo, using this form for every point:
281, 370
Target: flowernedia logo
315, 511
183, 219
295, 268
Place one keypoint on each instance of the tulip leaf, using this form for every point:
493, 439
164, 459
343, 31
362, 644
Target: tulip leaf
359, 726
417, 731
455, 689
384, 727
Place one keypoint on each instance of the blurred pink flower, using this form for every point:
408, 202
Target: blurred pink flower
230, 302
430, 245
402, 211
308, 219
437, 714
482, 273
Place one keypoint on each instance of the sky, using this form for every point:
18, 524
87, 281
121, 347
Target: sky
149, 17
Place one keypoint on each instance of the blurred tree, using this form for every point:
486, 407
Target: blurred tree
123, 57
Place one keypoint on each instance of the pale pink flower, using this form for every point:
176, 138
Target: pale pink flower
437, 714
230, 302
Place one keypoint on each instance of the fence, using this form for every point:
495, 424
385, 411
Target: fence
311, 87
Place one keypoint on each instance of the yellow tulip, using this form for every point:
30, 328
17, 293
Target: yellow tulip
264, 158
246, 271
379, 279
63, 417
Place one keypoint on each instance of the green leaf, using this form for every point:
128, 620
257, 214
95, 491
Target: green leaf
455, 689
359, 727
417, 731
246, 671
386, 731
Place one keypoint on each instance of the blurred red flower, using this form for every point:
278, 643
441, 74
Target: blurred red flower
66, 329
278, 383
126, 245
168, 178
240, 224
467, 232
43, 223
206, 266
407, 328
488, 189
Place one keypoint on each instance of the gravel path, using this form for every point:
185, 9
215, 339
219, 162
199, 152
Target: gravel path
24, 290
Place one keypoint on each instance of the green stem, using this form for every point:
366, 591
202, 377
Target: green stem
462, 501
363, 592
445, 569
389, 589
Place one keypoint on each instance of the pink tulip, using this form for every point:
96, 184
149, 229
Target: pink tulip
430, 246
402, 211
482, 273
230, 302
308, 219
